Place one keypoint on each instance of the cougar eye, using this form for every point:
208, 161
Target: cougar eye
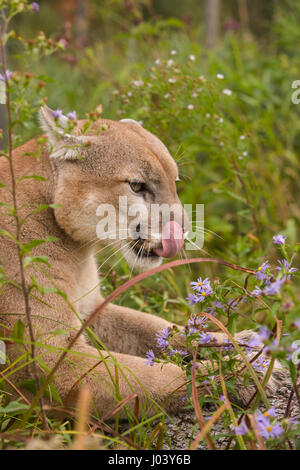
137, 187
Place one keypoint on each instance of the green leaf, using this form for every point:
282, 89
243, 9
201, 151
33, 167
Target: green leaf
35, 259
14, 408
34, 177
58, 331
27, 247
232, 322
293, 371
18, 332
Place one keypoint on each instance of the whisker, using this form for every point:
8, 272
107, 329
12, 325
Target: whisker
206, 230
136, 258
114, 253
110, 245
106, 246
117, 262
201, 249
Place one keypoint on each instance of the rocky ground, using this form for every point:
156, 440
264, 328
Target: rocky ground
182, 429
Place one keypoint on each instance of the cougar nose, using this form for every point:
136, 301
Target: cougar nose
172, 240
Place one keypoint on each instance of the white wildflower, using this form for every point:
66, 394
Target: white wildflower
137, 83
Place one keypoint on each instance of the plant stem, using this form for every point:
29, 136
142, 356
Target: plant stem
17, 220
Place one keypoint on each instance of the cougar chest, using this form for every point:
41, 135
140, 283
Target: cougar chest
88, 287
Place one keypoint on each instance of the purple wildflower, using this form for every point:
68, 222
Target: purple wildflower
172, 352
7, 74
209, 379
261, 272
271, 412
200, 285
195, 321
202, 288
264, 334
161, 338
194, 324
215, 305
192, 299
205, 292
222, 398
297, 323
260, 364
241, 429
205, 337
293, 421
210, 310
259, 337
191, 331
254, 341
285, 266
271, 347
262, 418
198, 298
274, 287
232, 304
264, 426
150, 357
279, 239
257, 291
292, 349
72, 115
230, 345
57, 113
35, 6
218, 305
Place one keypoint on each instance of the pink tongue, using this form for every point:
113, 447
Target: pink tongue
172, 240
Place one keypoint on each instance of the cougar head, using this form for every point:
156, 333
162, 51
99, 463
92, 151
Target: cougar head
116, 184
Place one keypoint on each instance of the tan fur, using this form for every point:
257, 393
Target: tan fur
110, 157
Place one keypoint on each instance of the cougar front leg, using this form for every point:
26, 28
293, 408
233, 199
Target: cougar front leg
111, 377
166, 385
129, 331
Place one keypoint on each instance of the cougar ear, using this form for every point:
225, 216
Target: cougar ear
64, 146
132, 121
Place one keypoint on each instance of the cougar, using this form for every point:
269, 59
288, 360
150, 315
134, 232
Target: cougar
78, 172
